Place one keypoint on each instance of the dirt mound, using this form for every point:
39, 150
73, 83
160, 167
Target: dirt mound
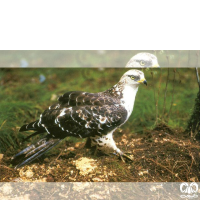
161, 155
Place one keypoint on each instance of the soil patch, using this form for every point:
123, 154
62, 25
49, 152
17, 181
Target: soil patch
161, 155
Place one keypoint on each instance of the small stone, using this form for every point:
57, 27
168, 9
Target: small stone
85, 165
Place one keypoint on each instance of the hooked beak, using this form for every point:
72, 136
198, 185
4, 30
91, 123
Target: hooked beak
156, 66
143, 81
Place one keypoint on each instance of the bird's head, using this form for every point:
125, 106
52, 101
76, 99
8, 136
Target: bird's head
143, 60
133, 77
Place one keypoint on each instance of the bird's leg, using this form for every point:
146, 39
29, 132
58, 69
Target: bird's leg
128, 157
121, 155
107, 145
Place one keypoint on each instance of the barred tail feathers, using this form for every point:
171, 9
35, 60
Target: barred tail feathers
35, 150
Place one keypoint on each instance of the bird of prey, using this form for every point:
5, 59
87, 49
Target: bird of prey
86, 115
143, 60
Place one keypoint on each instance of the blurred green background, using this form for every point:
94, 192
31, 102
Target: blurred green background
26, 92
95, 58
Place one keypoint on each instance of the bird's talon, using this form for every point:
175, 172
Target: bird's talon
121, 156
128, 157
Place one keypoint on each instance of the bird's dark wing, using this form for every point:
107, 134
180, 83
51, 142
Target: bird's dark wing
79, 113
83, 121
78, 98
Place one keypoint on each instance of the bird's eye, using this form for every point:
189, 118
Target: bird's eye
142, 63
132, 77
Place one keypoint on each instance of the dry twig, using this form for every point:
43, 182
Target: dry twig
149, 159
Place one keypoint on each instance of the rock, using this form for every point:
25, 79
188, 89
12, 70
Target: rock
26, 173
85, 165
29, 173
